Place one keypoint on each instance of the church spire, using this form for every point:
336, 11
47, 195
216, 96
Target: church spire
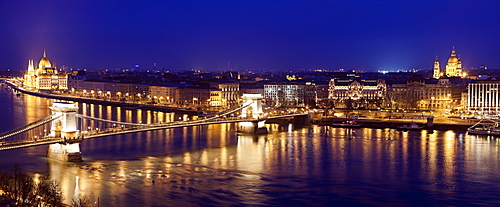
44, 53
436, 69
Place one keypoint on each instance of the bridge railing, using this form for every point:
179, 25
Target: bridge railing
28, 127
129, 124
38, 135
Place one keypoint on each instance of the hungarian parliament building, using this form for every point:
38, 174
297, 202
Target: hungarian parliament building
44, 77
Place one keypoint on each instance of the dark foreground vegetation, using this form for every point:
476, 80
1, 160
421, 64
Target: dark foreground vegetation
18, 188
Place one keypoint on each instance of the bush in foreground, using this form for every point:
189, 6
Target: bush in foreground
23, 188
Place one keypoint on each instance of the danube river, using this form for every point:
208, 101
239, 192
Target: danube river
214, 166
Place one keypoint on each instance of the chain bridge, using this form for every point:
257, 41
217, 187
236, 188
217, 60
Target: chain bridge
64, 129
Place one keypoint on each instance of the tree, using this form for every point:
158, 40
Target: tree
80, 201
18, 185
49, 191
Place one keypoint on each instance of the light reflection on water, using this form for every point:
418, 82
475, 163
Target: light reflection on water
212, 165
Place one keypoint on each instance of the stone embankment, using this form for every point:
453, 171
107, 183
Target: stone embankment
105, 102
449, 124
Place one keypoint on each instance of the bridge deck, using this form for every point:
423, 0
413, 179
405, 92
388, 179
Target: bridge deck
8, 145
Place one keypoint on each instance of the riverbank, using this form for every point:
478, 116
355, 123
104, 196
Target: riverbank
447, 124
440, 124
104, 102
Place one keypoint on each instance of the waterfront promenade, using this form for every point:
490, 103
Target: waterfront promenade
134, 105
371, 122
439, 122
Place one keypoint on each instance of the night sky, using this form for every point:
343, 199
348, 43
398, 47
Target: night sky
253, 35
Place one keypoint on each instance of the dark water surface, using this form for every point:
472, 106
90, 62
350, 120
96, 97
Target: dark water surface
213, 166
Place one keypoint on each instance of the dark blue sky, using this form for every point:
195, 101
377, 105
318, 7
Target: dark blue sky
254, 35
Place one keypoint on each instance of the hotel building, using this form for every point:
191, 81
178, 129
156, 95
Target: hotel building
483, 97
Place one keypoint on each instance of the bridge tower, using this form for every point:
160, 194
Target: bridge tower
65, 127
252, 111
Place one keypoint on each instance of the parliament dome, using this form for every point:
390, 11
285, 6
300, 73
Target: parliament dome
44, 62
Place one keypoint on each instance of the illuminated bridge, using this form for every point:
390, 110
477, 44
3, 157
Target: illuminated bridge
64, 129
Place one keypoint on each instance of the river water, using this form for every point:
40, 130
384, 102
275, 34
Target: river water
214, 166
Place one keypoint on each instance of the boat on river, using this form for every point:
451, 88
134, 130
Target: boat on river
483, 128
347, 124
411, 126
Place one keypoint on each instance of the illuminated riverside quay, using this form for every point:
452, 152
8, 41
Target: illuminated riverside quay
213, 165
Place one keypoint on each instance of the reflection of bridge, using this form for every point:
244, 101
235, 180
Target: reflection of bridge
64, 129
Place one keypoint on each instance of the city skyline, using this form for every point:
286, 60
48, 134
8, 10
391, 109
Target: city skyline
290, 35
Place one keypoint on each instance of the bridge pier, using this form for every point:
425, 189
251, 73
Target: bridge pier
301, 120
252, 127
67, 152
64, 127
254, 111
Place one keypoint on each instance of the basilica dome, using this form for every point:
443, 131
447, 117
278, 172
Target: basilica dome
453, 58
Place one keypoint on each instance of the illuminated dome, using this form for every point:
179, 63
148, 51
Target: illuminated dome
453, 58
44, 62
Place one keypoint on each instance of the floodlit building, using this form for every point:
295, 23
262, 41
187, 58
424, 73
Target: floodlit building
163, 93
45, 76
230, 93
294, 94
357, 93
453, 67
199, 96
483, 97
427, 94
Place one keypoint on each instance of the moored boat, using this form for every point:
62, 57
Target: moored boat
347, 124
411, 126
481, 128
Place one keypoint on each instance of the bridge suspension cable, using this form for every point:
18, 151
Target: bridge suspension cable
109, 121
228, 111
231, 110
29, 126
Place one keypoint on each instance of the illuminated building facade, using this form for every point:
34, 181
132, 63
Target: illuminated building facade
483, 97
427, 94
44, 77
229, 94
294, 94
109, 90
453, 67
199, 96
357, 93
163, 94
